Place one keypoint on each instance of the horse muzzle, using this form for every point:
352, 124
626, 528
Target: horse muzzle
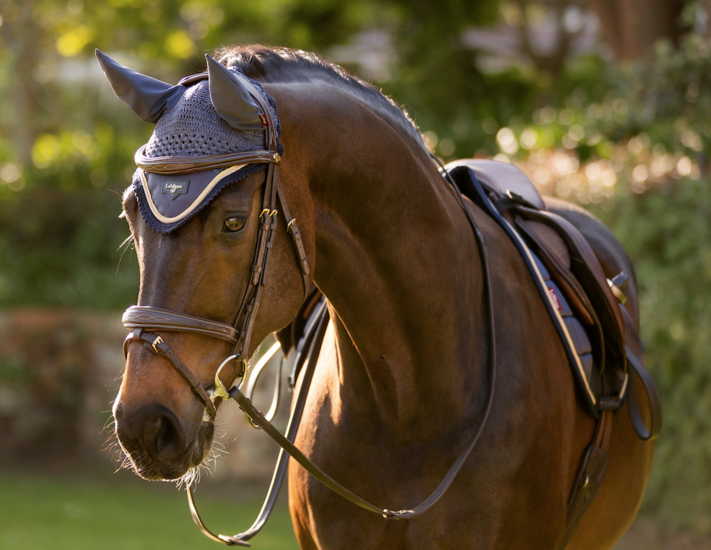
156, 442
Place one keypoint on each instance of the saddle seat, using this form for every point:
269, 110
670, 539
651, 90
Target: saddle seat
501, 178
583, 305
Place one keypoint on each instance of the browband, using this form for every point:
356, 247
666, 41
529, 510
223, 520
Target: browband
186, 165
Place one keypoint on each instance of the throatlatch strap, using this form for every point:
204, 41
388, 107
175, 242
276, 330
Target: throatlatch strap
295, 235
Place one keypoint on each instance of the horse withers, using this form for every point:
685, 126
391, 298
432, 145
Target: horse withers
293, 161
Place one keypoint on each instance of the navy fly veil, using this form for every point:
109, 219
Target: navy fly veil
193, 128
189, 125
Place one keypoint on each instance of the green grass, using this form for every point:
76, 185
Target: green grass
122, 513
51, 513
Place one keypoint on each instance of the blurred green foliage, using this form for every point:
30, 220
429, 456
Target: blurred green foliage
667, 232
665, 223
14, 372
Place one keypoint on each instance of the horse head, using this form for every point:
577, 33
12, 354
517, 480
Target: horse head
206, 209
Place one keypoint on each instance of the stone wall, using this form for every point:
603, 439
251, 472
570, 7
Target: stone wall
59, 373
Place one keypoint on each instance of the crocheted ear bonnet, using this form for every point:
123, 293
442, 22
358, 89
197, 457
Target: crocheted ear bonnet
189, 125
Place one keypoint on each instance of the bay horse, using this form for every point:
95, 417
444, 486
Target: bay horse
402, 381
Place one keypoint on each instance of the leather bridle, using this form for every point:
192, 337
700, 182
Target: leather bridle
141, 318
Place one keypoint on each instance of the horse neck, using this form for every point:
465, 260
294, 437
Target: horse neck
396, 259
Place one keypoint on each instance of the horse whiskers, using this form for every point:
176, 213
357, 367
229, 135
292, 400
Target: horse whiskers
207, 466
127, 244
210, 461
136, 463
113, 445
218, 449
124, 460
111, 438
192, 476
127, 463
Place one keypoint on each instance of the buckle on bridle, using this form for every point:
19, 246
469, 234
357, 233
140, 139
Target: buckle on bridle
157, 342
220, 389
269, 213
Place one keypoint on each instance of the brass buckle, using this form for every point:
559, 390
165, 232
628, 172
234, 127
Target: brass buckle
220, 389
269, 213
158, 341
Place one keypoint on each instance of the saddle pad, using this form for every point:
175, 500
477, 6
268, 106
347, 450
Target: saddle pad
578, 335
504, 207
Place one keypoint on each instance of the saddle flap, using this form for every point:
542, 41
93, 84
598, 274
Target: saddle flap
587, 270
502, 177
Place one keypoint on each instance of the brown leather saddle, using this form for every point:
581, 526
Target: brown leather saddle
576, 291
585, 306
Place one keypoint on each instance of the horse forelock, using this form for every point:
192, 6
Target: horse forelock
282, 65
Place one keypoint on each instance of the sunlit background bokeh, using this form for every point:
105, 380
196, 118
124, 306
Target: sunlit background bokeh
606, 103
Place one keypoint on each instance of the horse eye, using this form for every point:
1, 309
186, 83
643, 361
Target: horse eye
233, 225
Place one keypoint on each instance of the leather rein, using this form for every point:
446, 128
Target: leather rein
140, 319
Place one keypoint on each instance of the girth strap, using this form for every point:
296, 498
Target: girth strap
589, 479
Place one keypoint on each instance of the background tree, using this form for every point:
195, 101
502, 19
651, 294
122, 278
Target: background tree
631, 27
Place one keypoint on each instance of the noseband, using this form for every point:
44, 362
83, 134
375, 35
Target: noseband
141, 319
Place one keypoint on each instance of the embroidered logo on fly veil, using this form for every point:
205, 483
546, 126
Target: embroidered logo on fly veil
173, 188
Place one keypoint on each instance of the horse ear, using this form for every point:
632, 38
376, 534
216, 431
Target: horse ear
232, 101
147, 97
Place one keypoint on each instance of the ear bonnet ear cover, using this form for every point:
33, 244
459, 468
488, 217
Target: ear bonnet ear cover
147, 97
191, 126
233, 102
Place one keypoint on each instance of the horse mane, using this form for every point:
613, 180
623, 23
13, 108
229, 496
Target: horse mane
279, 65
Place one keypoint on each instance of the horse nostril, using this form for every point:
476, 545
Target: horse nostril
150, 430
169, 440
